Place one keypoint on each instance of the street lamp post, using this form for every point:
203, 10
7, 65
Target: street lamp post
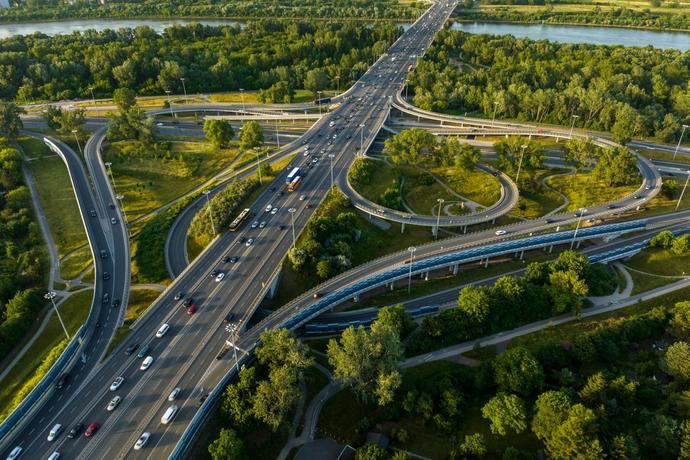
319, 93
232, 329
74, 131
361, 139
412, 249
572, 125
517, 176
331, 156
119, 198
242, 96
258, 164
337, 84
93, 99
577, 227
679, 141
51, 296
184, 88
210, 210
493, 119
407, 83
109, 167
683, 191
292, 220
438, 216
277, 134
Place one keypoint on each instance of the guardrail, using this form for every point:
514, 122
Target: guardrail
322, 328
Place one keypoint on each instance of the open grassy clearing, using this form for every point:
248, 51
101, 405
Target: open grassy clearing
584, 190
603, 5
535, 199
479, 186
56, 194
655, 267
75, 263
251, 97
74, 312
147, 183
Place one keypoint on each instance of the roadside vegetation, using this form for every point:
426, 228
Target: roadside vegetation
666, 260
548, 82
276, 56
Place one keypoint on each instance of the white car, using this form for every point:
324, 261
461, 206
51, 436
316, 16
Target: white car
114, 403
169, 414
162, 330
274, 210
113, 220
54, 432
173, 394
54, 456
268, 208
500, 232
220, 277
143, 439
302, 197
146, 363
262, 224
256, 222
16, 452
116, 383
249, 242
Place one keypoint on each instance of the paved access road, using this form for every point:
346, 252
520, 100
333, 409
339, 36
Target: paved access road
185, 357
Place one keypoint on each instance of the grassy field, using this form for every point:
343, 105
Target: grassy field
57, 197
656, 264
584, 190
74, 311
147, 183
250, 97
536, 203
75, 263
476, 185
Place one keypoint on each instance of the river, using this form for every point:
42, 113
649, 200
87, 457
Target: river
559, 33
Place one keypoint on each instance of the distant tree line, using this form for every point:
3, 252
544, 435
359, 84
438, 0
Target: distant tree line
631, 92
364, 9
264, 53
23, 263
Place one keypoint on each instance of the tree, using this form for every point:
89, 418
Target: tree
507, 413
398, 318
219, 132
227, 446
324, 269
684, 440
663, 239
677, 360
628, 124
280, 347
169, 76
275, 397
472, 446
571, 261
475, 302
576, 437
315, 80
616, 167
252, 136
236, 403
72, 122
679, 325
298, 257
367, 360
518, 371
410, 146
10, 123
516, 151
467, 157
124, 99
566, 290
371, 452
582, 153
550, 411
681, 245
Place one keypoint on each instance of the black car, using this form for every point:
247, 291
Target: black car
202, 399
93, 213
234, 259
283, 227
242, 240
229, 318
178, 296
76, 430
214, 272
111, 206
131, 349
62, 381
187, 302
106, 275
116, 303
226, 259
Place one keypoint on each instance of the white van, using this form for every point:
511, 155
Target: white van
169, 415
146, 363
16, 452
57, 428
162, 330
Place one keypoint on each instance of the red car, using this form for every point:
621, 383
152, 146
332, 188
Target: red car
191, 310
91, 429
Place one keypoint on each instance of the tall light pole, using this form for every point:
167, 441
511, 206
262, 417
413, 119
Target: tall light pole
74, 131
109, 167
119, 198
93, 99
679, 141
319, 93
493, 119
572, 125
412, 249
258, 164
517, 176
683, 191
361, 140
277, 134
292, 220
184, 88
407, 83
331, 156
242, 96
438, 216
577, 227
337, 84
232, 329
51, 296
210, 210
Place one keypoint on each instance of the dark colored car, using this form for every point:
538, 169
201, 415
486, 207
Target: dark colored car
143, 352
93, 213
226, 259
229, 317
106, 298
234, 259
106, 275
76, 430
191, 309
116, 303
62, 381
131, 349
214, 272
91, 429
178, 296
111, 206
187, 302
202, 399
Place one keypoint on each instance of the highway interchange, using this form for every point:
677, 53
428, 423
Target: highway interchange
185, 356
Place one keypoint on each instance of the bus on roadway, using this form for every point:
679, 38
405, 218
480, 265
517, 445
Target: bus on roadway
235, 224
292, 186
290, 177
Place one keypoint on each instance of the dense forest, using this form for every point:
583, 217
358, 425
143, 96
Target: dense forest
367, 9
631, 92
23, 261
263, 53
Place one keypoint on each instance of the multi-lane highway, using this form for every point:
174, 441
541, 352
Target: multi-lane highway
185, 356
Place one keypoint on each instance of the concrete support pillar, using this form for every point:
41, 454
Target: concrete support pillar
402, 228
426, 276
273, 287
392, 285
515, 255
456, 269
577, 246
493, 221
355, 298
522, 255
434, 231
550, 249
464, 229
486, 263
529, 137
